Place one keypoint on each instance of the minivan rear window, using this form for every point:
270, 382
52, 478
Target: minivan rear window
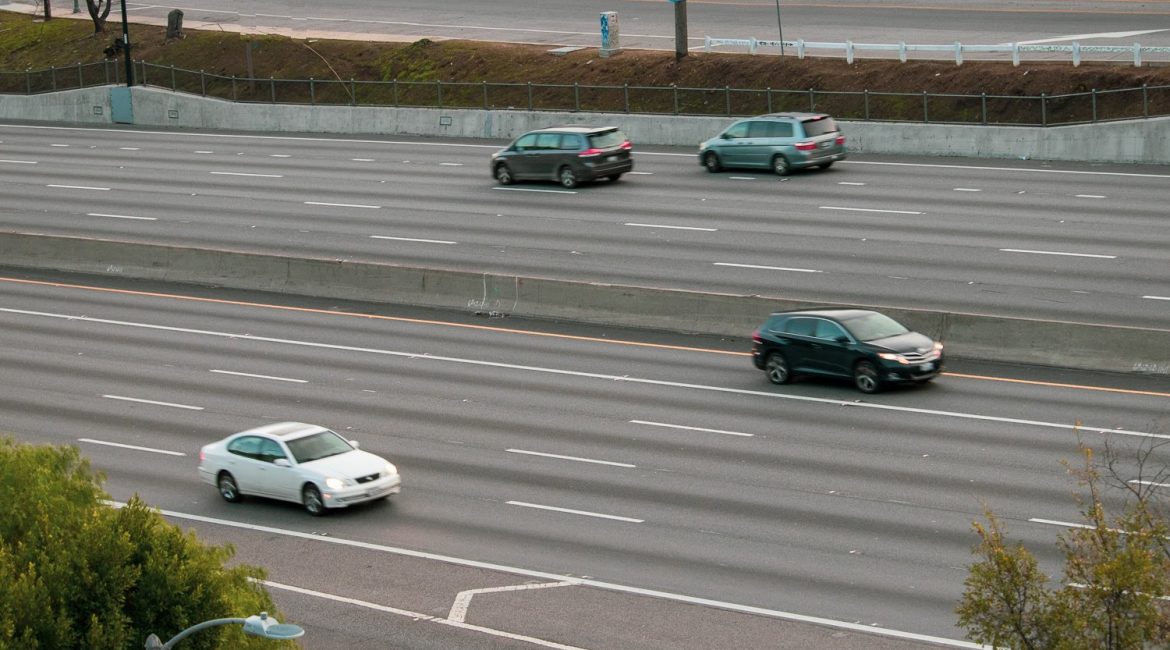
819, 126
607, 139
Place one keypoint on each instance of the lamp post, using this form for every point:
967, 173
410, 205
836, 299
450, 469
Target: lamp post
126, 46
260, 626
779, 26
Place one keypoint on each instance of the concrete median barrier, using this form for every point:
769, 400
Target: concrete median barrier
974, 336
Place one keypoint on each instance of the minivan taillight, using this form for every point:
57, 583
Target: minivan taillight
805, 146
591, 151
840, 139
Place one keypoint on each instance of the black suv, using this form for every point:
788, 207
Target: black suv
566, 154
868, 347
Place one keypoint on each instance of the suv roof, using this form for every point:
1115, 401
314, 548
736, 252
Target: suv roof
842, 313
575, 129
795, 116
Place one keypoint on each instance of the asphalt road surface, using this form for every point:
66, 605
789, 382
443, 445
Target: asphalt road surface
684, 500
1074, 242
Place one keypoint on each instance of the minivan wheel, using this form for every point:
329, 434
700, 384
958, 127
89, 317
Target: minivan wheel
711, 162
504, 174
866, 378
776, 368
825, 165
780, 165
614, 177
228, 488
567, 177
311, 498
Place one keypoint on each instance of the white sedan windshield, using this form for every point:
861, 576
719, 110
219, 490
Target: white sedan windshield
318, 446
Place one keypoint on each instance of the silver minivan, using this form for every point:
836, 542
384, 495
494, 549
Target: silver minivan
781, 142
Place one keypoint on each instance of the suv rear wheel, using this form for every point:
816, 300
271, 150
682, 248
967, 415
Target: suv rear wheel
776, 368
780, 165
567, 177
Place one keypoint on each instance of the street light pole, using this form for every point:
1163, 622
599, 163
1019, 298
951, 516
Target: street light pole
260, 626
126, 46
778, 25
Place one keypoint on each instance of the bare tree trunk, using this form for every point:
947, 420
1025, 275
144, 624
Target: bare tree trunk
99, 10
48, 10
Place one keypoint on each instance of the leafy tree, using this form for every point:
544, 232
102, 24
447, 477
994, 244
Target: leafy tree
1116, 577
77, 573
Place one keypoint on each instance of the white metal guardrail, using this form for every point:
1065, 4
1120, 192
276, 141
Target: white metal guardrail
1075, 50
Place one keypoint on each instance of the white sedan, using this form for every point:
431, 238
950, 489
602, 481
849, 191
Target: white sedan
297, 462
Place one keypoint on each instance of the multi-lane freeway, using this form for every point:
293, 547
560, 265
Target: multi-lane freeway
1072, 242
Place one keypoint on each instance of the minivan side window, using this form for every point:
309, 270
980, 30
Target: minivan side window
526, 142
779, 129
548, 141
739, 130
758, 129
801, 326
571, 142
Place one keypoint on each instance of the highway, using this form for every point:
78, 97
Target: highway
1074, 242
649, 24
626, 460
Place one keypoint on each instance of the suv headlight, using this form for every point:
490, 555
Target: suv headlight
891, 356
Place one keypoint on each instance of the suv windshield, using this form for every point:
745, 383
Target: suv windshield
318, 446
872, 327
606, 139
820, 126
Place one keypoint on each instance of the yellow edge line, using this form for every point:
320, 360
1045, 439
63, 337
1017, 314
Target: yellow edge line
506, 330
400, 319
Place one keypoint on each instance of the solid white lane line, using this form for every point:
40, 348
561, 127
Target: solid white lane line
686, 428
576, 458
849, 183
58, 145
362, 159
531, 189
657, 225
128, 148
279, 155
150, 401
248, 374
19, 162
766, 268
640, 173
544, 575
80, 187
204, 152
450, 164
584, 513
834, 207
1001, 169
344, 205
1090, 196
1156, 297
247, 174
463, 599
1053, 522
421, 241
241, 336
119, 216
1023, 250
134, 447
415, 616
967, 189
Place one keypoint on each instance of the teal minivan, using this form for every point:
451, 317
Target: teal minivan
781, 142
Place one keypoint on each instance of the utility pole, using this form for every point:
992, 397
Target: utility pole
680, 28
780, 26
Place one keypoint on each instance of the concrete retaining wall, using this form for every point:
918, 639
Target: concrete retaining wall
1133, 141
1071, 345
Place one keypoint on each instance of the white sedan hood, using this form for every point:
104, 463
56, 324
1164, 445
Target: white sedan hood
348, 465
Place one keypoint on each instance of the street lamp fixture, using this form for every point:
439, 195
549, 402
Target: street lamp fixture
261, 626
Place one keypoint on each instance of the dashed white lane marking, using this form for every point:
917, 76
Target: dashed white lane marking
19, 162
247, 174
497, 365
129, 148
417, 616
1024, 250
80, 187
463, 600
766, 268
413, 239
542, 575
1090, 196
967, 189
1150, 483
741, 178
450, 164
204, 151
532, 189
248, 374
640, 173
279, 155
686, 428
1156, 297
834, 207
362, 159
657, 225
1053, 522
849, 183
119, 216
573, 458
344, 205
58, 145
134, 447
583, 513
155, 403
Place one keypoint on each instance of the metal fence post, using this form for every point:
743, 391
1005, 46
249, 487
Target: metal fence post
983, 104
202, 84
529, 95
272, 83
312, 92
1145, 100
80, 77
53, 76
28, 81
727, 99
925, 111
1094, 104
439, 87
395, 92
768, 94
812, 100
626, 96
174, 86
865, 95
142, 73
352, 92
674, 94
1043, 109
234, 98
485, 98
576, 97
